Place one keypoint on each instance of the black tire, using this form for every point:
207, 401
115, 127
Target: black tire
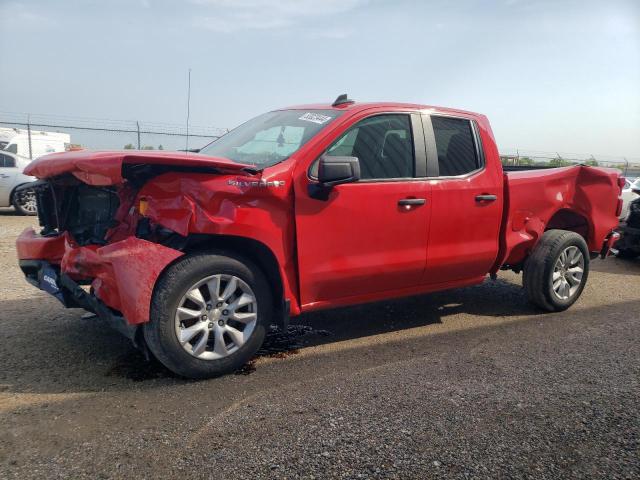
24, 202
160, 333
539, 268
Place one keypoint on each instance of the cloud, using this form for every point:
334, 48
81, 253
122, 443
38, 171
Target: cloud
22, 17
235, 15
330, 33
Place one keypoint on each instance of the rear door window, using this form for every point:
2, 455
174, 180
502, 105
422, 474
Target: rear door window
455, 143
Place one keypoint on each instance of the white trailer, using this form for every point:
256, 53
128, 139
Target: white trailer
16, 140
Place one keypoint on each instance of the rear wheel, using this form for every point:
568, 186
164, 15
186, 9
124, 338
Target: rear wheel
24, 201
556, 271
209, 315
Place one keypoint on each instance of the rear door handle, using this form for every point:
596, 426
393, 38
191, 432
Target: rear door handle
486, 198
411, 201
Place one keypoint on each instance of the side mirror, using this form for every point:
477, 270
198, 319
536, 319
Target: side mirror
337, 170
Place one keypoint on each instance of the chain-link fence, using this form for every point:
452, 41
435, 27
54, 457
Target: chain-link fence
630, 167
33, 135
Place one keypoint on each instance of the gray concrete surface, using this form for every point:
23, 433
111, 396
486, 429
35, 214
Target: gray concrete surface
472, 383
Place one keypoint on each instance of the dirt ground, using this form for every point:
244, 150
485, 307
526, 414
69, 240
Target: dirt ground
472, 383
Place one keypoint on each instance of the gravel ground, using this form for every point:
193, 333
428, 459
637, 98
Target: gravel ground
472, 383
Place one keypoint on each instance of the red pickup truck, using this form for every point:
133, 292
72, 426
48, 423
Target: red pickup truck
194, 255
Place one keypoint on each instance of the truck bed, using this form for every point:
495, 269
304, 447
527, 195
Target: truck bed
581, 197
520, 168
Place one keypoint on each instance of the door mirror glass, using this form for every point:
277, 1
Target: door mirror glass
337, 170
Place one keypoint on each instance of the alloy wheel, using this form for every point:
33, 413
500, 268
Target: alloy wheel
27, 201
568, 272
216, 317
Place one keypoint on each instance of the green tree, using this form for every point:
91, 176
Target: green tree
147, 147
129, 146
160, 147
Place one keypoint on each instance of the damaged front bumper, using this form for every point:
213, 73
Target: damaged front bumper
118, 278
47, 277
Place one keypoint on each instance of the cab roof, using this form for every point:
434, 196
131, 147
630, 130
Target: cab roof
355, 107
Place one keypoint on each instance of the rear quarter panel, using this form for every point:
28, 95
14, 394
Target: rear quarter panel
535, 196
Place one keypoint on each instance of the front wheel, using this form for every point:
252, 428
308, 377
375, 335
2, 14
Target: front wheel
209, 315
24, 201
556, 271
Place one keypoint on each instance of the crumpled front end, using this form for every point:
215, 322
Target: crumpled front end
87, 254
106, 235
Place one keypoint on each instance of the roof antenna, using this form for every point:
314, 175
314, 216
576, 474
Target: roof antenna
342, 100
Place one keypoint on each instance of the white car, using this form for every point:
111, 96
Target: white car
628, 195
11, 177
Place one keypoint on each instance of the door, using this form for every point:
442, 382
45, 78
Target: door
466, 202
369, 236
8, 172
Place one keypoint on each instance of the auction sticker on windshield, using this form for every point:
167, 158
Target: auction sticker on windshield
315, 118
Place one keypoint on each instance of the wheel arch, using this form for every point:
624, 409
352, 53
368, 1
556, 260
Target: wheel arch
251, 249
526, 232
570, 220
538, 268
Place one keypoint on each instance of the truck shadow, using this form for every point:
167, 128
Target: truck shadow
68, 353
348, 323
401, 314
617, 266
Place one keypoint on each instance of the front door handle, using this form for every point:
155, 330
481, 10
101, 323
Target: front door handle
486, 198
405, 202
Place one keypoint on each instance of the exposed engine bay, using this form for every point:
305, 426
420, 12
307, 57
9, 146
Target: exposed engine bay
86, 212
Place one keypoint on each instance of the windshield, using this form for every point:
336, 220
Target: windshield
271, 137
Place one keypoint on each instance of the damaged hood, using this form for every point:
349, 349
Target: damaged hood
105, 168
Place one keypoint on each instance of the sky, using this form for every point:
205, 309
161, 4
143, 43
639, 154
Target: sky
553, 76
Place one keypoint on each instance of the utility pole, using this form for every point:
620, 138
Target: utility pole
188, 108
138, 128
29, 135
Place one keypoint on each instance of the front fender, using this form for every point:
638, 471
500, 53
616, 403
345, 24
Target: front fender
231, 206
